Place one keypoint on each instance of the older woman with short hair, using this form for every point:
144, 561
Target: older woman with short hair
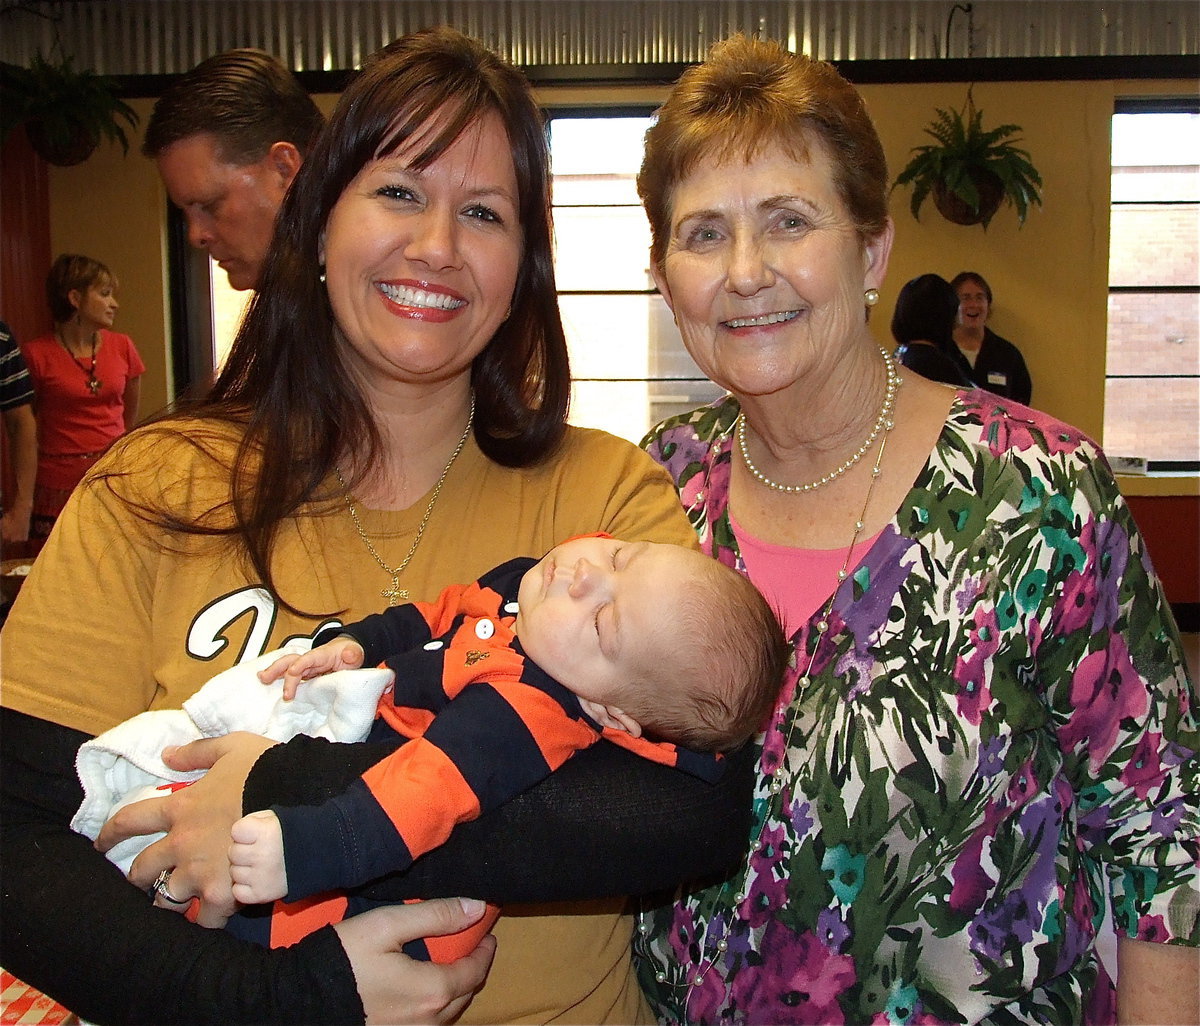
988, 713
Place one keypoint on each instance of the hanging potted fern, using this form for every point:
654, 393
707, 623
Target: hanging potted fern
65, 112
969, 171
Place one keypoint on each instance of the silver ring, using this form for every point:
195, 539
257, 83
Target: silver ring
159, 889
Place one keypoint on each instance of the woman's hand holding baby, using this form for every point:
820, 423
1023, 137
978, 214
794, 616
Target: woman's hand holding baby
342, 653
197, 821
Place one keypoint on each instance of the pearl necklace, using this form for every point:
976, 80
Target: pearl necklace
885, 415
690, 980
395, 593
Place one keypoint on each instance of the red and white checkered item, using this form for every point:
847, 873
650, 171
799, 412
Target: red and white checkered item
21, 1005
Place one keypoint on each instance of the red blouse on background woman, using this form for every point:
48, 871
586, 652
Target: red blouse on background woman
76, 420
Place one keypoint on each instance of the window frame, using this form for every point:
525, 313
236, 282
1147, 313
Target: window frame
658, 385
1151, 105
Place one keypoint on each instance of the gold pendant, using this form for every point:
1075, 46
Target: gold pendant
395, 591
94, 385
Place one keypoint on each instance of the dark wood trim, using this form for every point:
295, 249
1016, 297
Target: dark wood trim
1022, 69
1158, 105
190, 303
976, 69
1154, 290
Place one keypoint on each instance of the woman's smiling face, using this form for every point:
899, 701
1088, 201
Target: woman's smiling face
421, 264
764, 269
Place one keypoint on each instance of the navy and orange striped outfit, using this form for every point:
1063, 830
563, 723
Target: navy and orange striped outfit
484, 721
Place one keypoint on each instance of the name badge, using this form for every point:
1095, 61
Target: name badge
997, 378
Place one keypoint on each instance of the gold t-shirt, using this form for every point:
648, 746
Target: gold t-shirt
118, 617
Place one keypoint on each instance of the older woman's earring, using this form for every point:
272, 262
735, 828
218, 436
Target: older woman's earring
321, 275
871, 296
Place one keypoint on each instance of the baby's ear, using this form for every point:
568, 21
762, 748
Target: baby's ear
612, 717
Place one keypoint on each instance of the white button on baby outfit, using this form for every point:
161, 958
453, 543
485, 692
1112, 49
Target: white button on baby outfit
484, 629
511, 607
433, 646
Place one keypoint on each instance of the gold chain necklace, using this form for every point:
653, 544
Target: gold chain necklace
693, 980
395, 593
885, 415
93, 382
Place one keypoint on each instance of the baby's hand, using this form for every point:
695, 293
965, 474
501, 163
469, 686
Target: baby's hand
277, 669
342, 653
256, 859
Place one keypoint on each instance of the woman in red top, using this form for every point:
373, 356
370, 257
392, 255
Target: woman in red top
86, 382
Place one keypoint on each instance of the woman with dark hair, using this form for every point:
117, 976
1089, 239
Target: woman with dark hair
86, 383
923, 325
391, 418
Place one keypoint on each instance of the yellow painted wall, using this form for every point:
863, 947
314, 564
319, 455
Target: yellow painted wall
1049, 278
111, 208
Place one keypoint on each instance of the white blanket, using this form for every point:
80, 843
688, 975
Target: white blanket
124, 764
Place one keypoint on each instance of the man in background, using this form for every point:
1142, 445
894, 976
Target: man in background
990, 361
228, 138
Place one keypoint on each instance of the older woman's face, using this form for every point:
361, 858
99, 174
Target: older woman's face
765, 271
421, 264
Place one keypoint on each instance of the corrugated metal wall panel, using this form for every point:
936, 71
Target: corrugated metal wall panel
167, 36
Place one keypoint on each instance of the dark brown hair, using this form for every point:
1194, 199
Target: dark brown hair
751, 94
977, 278
925, 310
72, 272
246, 99
285, 385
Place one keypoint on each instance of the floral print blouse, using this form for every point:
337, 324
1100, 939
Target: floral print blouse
998, 724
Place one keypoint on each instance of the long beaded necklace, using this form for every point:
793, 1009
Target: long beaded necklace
93, 382
885, 416
395, 593
693, 980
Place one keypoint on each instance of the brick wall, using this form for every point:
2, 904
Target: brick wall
1153, 336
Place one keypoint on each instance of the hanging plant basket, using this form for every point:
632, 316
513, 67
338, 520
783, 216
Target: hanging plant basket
66, 113
957, 210
969, 170
61, 150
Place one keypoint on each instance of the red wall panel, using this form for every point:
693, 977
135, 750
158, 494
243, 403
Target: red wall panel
1171, 527
24, 237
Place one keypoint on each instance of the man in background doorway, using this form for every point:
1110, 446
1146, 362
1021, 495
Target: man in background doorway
228, 138
990, 361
